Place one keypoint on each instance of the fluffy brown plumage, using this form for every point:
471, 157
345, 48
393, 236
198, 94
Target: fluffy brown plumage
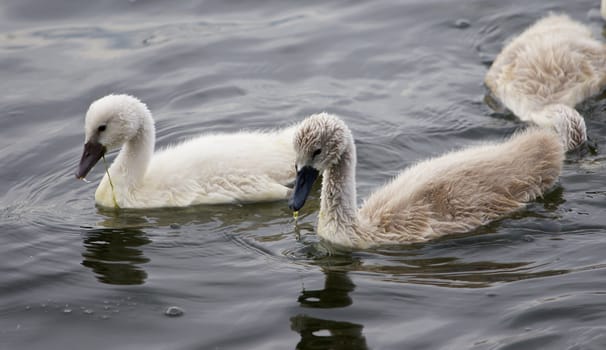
556, 61
454, 193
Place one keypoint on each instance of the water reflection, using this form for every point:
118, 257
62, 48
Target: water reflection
337, 286
113, 251
407, 265
453, 273
325, 334
410, 265
113, 244
240, 217
317, 333
394, 264
115, 256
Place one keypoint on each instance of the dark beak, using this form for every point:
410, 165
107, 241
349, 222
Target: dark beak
93, 151
303, 183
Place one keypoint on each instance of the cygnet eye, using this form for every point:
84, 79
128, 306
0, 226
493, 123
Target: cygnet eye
102, 127
316, 152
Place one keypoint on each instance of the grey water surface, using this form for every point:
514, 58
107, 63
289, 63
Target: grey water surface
406, 75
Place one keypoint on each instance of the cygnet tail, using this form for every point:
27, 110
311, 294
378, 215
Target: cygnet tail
566, 121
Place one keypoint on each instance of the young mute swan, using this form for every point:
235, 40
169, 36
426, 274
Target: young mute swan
210, 169
454, 193
556, 61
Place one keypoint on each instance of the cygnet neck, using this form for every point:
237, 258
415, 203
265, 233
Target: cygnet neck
133, 160
338, 207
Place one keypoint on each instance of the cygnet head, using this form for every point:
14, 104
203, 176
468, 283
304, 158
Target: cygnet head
110, 122
566, 121
319, 142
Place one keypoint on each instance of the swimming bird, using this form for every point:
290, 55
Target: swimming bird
556, 61
453, 193
249, 166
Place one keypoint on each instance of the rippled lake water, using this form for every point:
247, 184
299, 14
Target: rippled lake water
405, 75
